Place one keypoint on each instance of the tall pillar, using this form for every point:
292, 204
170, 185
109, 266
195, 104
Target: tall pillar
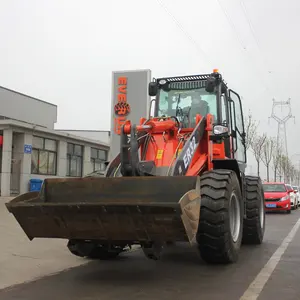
6, 162
87, 166
25, 170
62, 159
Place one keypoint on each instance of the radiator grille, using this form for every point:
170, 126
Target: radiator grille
272, 200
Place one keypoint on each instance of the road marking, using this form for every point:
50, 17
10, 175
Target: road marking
257, 285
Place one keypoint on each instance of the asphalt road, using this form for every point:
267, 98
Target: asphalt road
179, 275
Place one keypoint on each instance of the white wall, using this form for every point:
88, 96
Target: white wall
97, 135
24, 108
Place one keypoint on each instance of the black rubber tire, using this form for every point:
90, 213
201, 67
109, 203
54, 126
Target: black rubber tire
288, 211
215, 242
72, 247
253, 232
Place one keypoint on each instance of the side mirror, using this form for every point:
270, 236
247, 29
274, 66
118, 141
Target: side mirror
223, 88
210, 84
152, 89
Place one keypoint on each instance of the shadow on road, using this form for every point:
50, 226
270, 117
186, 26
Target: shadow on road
178, 262
181, 274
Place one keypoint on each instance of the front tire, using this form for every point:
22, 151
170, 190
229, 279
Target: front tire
254, 223
221, 217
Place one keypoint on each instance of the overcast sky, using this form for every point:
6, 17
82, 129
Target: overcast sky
64, 51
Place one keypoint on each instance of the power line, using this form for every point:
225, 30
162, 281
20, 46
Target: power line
232, 25
244, 9
240, 40
179, 25
191, 39
249, 22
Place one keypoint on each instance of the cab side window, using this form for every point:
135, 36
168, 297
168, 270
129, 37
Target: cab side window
238, 125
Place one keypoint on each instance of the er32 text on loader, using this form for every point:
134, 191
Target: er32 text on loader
179, 176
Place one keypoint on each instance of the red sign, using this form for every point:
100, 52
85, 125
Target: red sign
122, 108
1, 140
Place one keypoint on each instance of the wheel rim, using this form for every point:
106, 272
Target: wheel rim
261, 212
235, 217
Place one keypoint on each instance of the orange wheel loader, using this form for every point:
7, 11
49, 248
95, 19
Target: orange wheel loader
179, 177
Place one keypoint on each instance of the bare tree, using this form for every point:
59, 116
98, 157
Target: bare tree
276, 159
257, 146
286, 167
297, 176
250, 129
267, 152
293, 174
289, 170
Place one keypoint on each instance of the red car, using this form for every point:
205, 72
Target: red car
277, 197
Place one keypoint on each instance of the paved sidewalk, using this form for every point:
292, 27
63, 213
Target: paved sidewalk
22, 260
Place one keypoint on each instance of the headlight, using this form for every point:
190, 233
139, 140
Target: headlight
219, 129
285, 198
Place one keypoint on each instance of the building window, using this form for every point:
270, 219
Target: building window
43, 156
74, 160
98, 158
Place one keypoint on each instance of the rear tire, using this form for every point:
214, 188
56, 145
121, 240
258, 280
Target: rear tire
219, 237
254, 223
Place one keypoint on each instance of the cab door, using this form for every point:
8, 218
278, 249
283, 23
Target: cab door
237, 127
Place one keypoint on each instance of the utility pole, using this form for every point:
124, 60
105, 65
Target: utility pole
281, 127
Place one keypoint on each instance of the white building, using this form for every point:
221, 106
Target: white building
30, 147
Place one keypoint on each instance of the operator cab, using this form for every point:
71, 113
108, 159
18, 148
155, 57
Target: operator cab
185, 102
184, 97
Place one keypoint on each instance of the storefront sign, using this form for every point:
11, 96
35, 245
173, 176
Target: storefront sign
130, 101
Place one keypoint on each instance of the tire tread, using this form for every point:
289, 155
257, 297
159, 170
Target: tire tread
213, 237
252, 232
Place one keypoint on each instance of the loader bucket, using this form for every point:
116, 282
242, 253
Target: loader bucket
131, 209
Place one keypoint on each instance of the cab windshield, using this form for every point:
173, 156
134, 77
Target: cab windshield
269, 188
185, 104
